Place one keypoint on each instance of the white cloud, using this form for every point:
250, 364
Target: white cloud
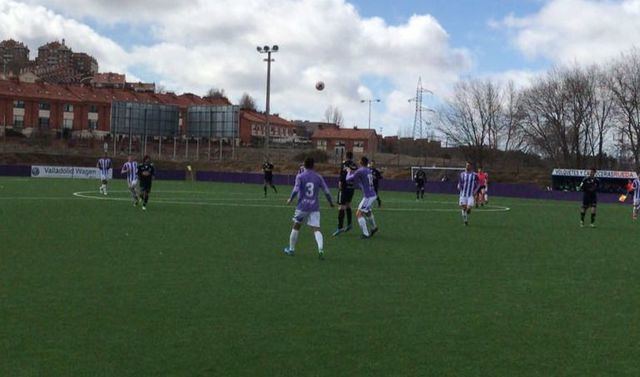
36, 25
583, 31
520, 78
200, 44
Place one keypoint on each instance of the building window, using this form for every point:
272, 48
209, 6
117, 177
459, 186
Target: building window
18, 104
68, 108
44, 106
43, 122
93, 109
18, 121
67, 123
93, 124
322, 145
358, 146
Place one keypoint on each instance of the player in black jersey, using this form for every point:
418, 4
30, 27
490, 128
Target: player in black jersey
377, 176
267, 168
146, 173
589, 187
345, 194
420, 179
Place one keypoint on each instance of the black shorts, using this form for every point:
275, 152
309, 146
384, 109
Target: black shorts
268, 178
481, 189
589, 199
420, 184
345, 196
145, 185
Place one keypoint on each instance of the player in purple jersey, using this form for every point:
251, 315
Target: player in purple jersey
363, 177
104, 165
307, 186
635, 187
467, 186
130, 168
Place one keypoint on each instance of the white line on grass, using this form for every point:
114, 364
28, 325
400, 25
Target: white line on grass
35, 198
93, 195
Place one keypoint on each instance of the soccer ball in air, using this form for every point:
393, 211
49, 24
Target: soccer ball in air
319, 85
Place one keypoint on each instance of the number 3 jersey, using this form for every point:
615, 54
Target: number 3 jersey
307, 187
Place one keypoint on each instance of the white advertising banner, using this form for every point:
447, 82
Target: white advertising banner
599, 173
76, 172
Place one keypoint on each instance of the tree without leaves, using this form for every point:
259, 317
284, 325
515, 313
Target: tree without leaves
216, 93
333, 115
545, 106
580, 89
247, 102
624, 83
603, 114
471, 119
510, 126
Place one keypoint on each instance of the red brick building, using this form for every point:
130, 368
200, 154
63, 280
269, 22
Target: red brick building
14, 55
253, 128
337, 141
109, 80
80, 110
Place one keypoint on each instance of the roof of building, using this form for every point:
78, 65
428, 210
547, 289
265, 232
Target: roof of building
343, 133
254, 116
40, 90
109, 78
77, 93
11, 43
54, 45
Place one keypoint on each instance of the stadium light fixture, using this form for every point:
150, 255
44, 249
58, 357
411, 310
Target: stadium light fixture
268, 50
370, 101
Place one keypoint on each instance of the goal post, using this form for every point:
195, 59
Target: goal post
437, 173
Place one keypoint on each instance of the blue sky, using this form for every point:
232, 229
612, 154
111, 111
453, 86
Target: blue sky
467, 22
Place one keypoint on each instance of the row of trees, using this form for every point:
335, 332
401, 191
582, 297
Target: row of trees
571, 115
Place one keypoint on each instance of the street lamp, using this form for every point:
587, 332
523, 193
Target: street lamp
268, 50
369, 100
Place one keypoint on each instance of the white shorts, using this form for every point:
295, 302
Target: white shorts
366, 204
467, 201
104, 177
133, 184
312, 218
636, 203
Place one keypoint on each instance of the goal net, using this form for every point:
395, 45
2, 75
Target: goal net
437, 173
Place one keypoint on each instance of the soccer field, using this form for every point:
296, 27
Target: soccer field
198, 286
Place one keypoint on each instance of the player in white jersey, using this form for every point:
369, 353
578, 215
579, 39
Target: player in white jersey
104, 165
130, 168
635, 186
467, 187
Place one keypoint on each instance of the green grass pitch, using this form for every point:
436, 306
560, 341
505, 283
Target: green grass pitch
198, 286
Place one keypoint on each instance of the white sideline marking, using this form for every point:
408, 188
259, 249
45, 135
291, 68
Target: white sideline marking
35, 198
96, 196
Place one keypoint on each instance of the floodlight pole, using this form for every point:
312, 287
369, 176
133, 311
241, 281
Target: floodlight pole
370, 101
268, 50
144, 148
130, 132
